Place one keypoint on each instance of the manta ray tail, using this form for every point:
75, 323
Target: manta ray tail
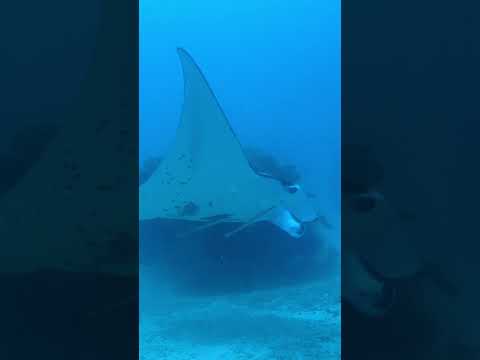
250, 222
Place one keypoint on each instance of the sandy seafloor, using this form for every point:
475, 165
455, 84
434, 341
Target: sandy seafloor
296, 322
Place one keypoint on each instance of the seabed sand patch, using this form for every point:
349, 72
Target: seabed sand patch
300, 322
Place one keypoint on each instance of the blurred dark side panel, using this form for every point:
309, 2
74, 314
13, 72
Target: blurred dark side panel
69, 179
410, 128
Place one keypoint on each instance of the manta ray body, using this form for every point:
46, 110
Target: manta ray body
47, 218
206, 177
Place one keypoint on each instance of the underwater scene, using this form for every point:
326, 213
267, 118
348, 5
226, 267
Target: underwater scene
239, 198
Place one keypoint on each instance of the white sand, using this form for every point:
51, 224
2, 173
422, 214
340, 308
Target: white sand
298, 323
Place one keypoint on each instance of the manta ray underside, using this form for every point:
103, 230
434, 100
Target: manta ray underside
206, 177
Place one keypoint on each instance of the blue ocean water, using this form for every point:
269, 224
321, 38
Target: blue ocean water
275, 69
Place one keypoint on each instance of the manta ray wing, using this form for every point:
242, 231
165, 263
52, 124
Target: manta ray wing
206, 172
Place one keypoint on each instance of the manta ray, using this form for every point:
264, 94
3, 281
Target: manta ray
47, 218
205, 176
